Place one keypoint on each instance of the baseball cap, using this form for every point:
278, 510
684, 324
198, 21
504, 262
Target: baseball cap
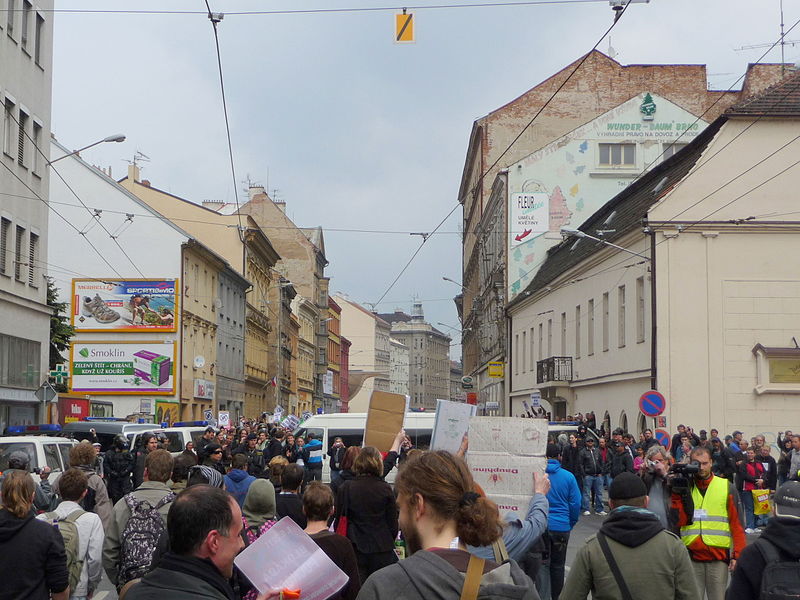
737, 432
787, 500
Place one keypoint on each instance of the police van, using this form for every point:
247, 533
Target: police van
42, 446
105, 428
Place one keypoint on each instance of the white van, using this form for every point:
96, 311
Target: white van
42, 448
418, 426
177, 436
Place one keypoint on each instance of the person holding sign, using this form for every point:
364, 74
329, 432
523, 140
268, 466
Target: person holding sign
440, 514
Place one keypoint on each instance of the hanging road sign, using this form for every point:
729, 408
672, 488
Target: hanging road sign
652, 403
662, 437
404, 28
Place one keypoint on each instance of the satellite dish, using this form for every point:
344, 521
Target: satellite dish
199, 362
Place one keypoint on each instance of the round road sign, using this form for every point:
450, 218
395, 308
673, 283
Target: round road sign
652, 403
662, 437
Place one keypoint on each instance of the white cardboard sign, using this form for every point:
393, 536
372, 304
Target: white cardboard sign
451, 424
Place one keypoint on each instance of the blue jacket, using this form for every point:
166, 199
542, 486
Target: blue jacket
313, 450
564, 497
237, 482
520, 534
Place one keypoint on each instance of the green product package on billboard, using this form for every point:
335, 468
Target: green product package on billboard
152, 367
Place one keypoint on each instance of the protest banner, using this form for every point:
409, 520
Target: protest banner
451, 424
385, 417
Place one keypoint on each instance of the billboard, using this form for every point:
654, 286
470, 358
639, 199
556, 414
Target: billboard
145, 368
124, 304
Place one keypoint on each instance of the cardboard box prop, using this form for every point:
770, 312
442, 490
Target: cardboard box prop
451, 424
385, 418
504, 453
152, 367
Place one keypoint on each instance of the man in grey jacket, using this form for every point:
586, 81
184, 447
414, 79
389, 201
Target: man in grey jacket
440, 515
157, 471
632, 533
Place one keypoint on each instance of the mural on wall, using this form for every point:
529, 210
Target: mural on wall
565, 182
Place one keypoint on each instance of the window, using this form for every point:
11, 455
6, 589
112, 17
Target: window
541, 340
19, 362
605, 322
51, 456
10, 17
9, 133
617, 155
64, 450
549, 337
524, 349
21, 139
26, 21
640, 310
578, 331
533, 351
38, 40
672, 149
621, 315
36, 161
563, 334
590, 333
5, 232
33, 257
18, 253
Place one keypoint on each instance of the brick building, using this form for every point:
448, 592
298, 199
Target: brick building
608, 124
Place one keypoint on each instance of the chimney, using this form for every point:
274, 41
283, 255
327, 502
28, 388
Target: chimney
214, 205
255, 190
134, 172
280, 204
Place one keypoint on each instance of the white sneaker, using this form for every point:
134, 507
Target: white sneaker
749, 531
602, 513
586, 513
757, 530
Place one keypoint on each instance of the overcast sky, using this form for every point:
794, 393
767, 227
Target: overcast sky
354, 131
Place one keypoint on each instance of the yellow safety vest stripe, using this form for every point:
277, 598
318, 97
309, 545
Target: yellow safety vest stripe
714, 527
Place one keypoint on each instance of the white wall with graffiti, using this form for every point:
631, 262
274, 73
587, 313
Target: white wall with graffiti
565, 182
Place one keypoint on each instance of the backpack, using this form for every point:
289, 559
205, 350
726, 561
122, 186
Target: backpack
89, 501
144, 539
781, 578
68, 529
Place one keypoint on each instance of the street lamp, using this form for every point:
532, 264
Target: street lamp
567, 232
112, 138
454, 281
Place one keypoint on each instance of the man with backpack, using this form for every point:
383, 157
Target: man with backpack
770, 567
137, 537
82, 533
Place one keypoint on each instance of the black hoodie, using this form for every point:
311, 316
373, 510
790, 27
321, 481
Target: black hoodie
39, 564
630, 526
746, 581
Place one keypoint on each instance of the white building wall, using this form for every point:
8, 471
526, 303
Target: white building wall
25, 101
609, 379
398, 368
152, 246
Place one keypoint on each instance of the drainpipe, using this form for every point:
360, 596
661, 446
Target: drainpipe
508, 371
653, 346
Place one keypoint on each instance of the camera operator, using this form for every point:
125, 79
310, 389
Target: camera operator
658, 478
713, 531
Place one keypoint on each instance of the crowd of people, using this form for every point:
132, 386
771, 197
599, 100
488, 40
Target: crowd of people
169, 527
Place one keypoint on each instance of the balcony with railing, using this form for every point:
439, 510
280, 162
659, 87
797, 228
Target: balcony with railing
555, 369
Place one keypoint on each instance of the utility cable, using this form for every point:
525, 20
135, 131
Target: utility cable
215, 18
318, 10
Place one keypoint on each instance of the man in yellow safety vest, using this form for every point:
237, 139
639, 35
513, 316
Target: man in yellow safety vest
713, 533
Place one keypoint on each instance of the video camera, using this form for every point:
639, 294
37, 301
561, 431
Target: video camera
685, 469
681, 473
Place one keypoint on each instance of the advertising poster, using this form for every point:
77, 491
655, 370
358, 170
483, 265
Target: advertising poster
167, 412
124, 304
122, 368
504, 453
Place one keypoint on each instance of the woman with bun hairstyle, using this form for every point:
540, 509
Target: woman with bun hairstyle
440, 514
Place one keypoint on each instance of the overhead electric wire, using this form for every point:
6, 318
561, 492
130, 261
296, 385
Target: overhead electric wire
309, 11
482, 175
214, 22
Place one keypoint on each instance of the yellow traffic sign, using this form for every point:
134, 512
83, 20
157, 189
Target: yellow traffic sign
496, 369
404, 28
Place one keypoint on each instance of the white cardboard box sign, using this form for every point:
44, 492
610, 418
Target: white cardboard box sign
504, 453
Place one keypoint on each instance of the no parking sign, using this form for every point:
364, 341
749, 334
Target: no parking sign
662, 437
652, 403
